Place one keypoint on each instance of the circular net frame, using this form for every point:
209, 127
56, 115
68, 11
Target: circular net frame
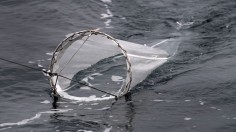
83, 37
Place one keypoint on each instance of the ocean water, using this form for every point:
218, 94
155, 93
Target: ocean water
195, 91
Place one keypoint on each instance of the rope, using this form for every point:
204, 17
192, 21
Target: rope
55, 74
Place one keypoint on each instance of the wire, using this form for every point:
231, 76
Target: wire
55, 74
37, 69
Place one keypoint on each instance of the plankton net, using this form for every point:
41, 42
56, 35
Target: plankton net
89, 60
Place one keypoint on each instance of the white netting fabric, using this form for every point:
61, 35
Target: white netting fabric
98, 60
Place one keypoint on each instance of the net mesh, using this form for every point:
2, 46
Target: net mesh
98, 60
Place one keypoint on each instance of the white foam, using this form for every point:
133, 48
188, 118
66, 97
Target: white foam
108, 129
213, 107
187, 118
95, 104
45, 102
106, 1
158, 100
201, 102
40, 65
103, 16
49, 53
104, 108
107, 22
31, 62
117, 78
38, 115
181, 24
107, 16
184, 23
25, 121
5, 128
123, 18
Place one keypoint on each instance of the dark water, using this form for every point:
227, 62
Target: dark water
195, 91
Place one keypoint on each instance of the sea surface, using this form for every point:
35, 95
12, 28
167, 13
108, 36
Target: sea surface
195, 91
